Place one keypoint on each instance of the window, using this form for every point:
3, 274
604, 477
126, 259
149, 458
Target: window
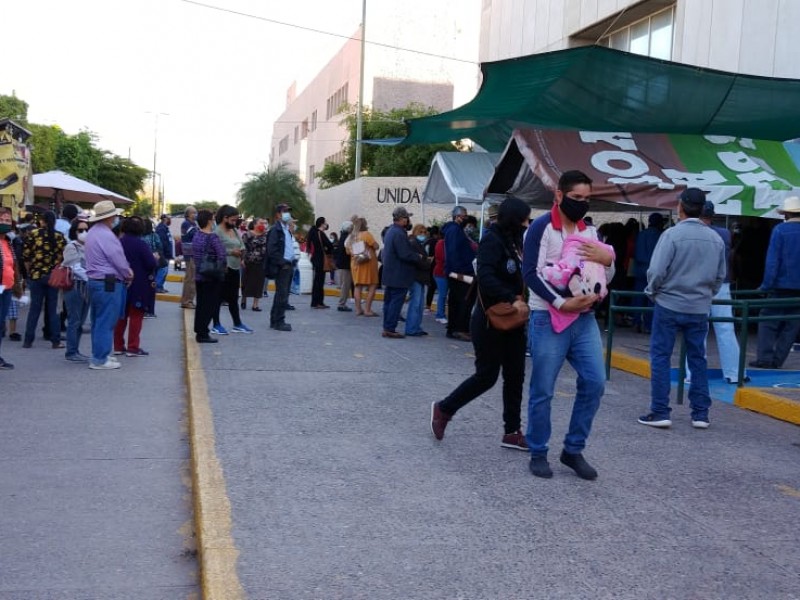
651, 36
337, 101
304, 129
296, 134
312, 174
314, 121
283, 146
335, 158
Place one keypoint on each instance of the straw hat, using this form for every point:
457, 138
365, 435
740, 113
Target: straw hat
103, 210
790, 205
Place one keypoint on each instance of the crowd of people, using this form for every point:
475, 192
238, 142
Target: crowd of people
520, 288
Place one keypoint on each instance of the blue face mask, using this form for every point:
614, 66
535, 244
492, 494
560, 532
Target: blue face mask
421, 238
286, 217
115, 224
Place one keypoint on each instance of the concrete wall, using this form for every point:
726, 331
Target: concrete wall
756, 37
375, 198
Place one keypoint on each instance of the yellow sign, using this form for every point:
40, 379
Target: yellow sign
16, 182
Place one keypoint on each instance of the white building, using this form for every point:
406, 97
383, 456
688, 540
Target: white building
409, 58
744, 36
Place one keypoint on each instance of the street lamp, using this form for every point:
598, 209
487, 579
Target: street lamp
160, 210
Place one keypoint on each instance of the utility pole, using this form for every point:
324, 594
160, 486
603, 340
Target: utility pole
360, 111
156, 201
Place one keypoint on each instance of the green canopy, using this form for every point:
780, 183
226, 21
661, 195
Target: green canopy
599, 89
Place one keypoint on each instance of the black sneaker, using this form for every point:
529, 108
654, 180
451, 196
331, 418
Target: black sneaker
5, 366
206, 339
577, 463
281, 327
540, 467
654, 421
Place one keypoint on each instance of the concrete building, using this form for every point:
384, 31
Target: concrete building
409, 58
756, 37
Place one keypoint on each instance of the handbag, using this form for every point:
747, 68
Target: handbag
359, 251
210, 268
61, 278
504, 317
328, 263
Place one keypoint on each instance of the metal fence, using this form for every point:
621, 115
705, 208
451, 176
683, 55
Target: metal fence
745, 303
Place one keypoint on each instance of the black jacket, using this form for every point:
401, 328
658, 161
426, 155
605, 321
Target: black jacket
499, 269
276, 240
340, 255
318, 246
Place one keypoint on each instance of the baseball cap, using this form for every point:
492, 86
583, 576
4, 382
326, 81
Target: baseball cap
282, 208
693, 197
401, 213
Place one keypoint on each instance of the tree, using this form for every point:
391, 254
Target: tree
261, 194
78, 156
142, 207
14, 108
383, 161
44, 143
120, 175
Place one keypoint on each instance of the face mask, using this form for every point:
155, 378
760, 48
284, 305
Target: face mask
230, 225
260, 228
573, 209
82, 236
421, 238
5, 227
286, 217
409, 226
115, 223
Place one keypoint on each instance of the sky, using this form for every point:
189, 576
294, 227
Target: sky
199, 87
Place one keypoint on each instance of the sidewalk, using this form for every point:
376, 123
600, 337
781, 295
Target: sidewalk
333, 487
95, 495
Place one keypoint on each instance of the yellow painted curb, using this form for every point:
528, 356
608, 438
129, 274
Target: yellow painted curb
216, 549
761, 401
168, 298
175, 278
630, 364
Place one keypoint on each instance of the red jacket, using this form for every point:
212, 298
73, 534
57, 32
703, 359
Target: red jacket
438, 255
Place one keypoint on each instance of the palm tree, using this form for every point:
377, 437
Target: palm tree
260, 194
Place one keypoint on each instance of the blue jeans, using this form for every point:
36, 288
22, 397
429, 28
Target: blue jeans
727, 342
393, 298
39, 289
666, 324
416, 304
5, 304
106, 311
580, 345
441, 299
161, 277
77, 309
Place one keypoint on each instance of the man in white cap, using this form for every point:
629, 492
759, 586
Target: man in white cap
781, 280
108, 271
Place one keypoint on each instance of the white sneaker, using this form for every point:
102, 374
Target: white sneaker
700, 424
441, 320
109, 364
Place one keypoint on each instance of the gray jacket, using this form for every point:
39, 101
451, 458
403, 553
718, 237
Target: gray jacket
687, 268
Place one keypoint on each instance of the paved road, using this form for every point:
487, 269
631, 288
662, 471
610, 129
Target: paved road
95, 500
338, 489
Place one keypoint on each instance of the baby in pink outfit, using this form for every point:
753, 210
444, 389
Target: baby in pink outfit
573, 276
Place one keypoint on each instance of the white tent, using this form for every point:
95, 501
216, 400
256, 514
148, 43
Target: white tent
459, 177
72, 189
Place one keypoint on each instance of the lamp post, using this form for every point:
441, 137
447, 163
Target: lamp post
156, 201
360, 111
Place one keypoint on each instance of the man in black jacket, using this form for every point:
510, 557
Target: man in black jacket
280, 266
318, 245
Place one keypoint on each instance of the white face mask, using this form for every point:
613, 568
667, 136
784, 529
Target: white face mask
82, 236
286, 217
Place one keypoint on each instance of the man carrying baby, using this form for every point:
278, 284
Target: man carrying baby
579, 343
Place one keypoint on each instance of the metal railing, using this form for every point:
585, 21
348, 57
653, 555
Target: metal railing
745, 302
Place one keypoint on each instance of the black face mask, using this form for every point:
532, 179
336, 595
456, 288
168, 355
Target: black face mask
408, 226
573, 209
